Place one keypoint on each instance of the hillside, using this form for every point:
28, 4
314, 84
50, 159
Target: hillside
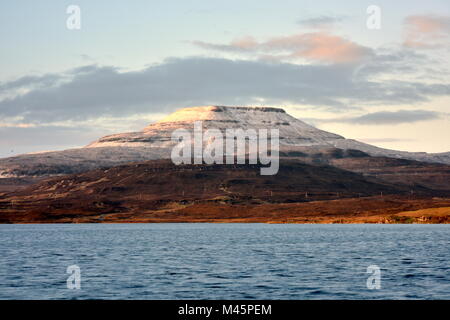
159, 188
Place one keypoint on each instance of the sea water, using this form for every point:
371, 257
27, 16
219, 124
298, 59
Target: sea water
224, 261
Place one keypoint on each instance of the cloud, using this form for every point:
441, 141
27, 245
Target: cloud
402, 61
386, 117
320, 22
314, 46
93, 91
30, 81
427, 31
87, 58
396, 117
384, 140
243, 44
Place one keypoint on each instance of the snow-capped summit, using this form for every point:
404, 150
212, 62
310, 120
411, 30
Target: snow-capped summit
293, 132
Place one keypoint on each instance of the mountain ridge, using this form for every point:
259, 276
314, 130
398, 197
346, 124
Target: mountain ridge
154, 142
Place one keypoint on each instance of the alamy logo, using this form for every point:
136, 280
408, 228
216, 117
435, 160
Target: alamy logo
74, 280
73, 22
212, 146
374, 20
374, 280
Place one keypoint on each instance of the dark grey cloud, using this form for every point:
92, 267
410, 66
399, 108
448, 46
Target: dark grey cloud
396, 117
222, 47
385, 117
94, 91
385, 140
45, 80
320, 21
393, 61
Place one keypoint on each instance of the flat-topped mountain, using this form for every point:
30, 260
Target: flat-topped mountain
297, 139
293, 132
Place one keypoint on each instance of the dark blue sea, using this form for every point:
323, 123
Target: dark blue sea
224, 261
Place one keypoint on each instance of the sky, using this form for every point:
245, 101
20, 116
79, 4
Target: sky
379, 78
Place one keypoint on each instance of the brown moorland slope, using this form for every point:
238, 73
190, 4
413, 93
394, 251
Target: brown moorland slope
158, 191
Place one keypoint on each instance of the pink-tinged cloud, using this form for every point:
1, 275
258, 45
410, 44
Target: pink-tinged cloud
427, 31
320, 46
315, 46
245, 43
